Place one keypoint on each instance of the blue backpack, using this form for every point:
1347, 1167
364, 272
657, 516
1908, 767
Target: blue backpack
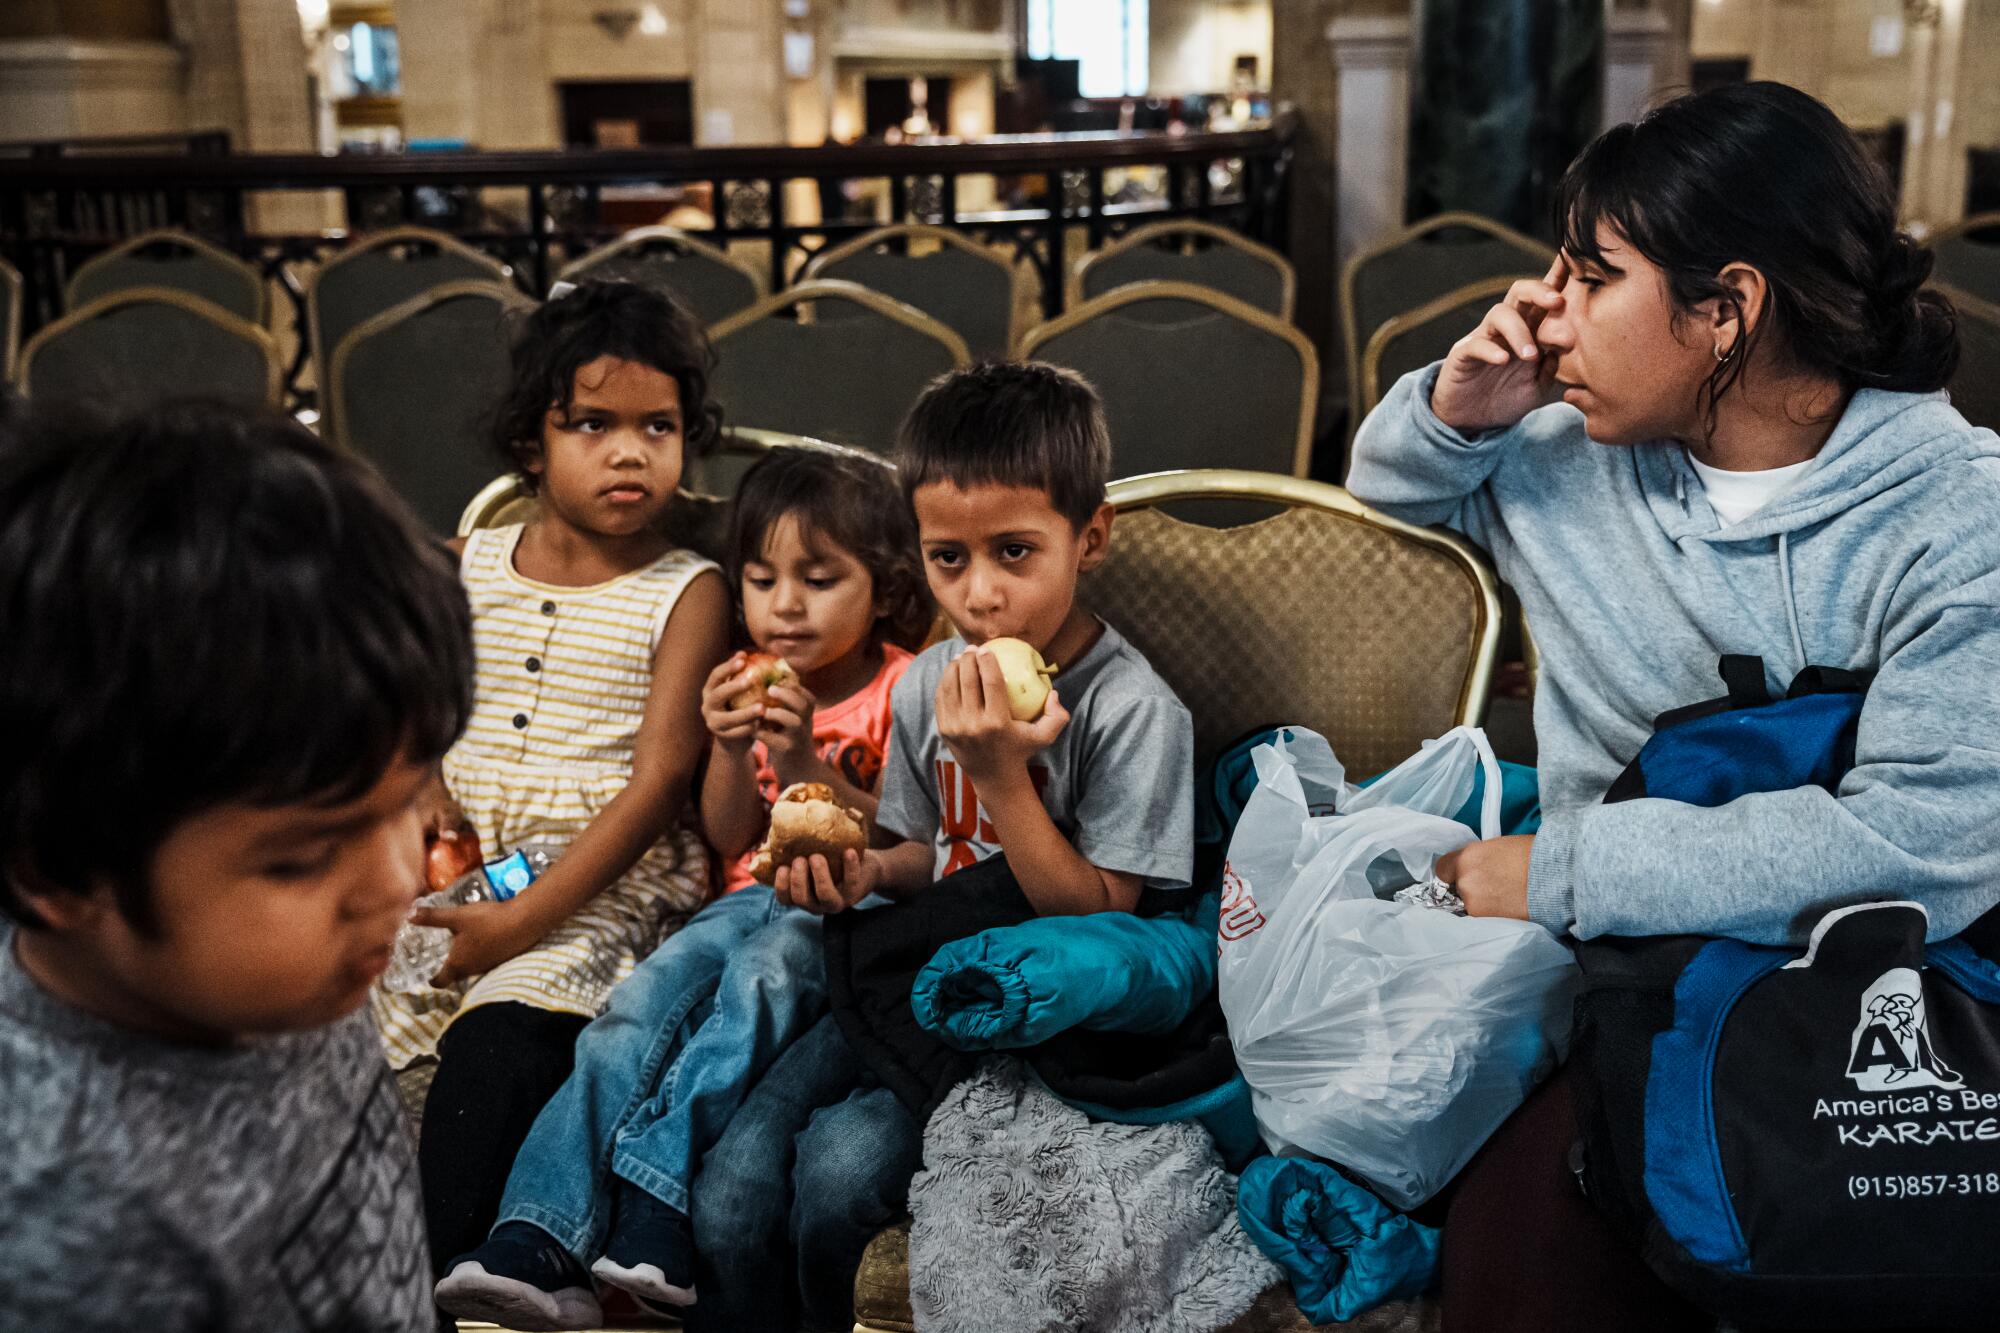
1794, 1137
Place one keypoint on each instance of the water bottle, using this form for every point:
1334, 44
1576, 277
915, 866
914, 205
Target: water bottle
421, 950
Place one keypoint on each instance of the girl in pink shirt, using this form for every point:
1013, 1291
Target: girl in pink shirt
826, 565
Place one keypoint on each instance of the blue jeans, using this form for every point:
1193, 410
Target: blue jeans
659, 1074
818, 1159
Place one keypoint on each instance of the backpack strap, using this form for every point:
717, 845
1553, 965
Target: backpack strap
1829, 680
1744, 677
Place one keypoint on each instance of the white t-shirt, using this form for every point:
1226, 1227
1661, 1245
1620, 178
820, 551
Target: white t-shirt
1734, 496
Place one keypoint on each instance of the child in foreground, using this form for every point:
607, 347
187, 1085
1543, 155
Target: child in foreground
233, 660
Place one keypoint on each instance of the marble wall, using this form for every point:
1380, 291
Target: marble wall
1193, 44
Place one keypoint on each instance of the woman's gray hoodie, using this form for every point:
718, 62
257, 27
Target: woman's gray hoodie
1884, 556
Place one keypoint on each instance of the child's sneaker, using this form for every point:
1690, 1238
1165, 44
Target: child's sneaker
650, 1251
521, 1278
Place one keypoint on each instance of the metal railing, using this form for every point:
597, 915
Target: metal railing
536, 210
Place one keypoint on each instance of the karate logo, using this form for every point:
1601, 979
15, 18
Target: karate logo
1891, 1048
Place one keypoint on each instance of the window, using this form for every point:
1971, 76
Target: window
1106, 37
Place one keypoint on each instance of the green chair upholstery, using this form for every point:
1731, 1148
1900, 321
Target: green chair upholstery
413, 391
1200, 253
376, 273
785, 365
1419, 265
966, 286
699, 275
1968, 257
1413, 340
1191, 378
1975, 386
135, 349
178, 262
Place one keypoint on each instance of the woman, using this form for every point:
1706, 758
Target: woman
1713, 427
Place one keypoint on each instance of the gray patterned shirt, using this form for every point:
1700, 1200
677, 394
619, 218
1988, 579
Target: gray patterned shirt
145, 1185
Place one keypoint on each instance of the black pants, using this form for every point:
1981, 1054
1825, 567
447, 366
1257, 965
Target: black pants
1525, 1251
498, 1065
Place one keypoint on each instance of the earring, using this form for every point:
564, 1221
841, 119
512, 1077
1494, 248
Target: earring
1721, 355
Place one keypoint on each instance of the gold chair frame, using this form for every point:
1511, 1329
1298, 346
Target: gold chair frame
580, 267
1189, 229
274, 365
260, 295
1352, 338
1221, 302
1157, 488
1963, 300
367, 244
509, 296
10, 319
839, 289
1017, 276
1371, 358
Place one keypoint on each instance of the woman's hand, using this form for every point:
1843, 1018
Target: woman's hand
1491, 877
1497, 374
483, 936
734, 729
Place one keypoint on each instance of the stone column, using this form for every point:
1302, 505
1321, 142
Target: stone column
477, 71
1372, 57
1934, 158
739, 91
76, 72
247, 74
64, 88
1635, 39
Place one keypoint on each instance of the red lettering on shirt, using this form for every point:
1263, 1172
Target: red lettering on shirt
962, 820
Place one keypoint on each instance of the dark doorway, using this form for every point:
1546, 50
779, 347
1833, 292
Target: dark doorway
886, 103
627, 115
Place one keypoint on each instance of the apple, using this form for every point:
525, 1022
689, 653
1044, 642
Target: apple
1027, 676
450, 856
765, 670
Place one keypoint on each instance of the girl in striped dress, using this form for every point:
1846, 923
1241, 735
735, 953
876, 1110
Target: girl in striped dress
593, 634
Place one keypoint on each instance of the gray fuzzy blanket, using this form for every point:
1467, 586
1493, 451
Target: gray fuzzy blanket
1029, 1217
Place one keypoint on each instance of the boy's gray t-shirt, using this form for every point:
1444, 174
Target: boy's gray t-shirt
265, 1189
1118, 781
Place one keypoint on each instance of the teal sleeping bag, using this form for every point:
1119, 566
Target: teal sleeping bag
1345, 1250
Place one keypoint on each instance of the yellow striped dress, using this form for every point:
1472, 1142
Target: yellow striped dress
562, 682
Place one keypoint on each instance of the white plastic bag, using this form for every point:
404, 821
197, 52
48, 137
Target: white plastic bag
1387, 1037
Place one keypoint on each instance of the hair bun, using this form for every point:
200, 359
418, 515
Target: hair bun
1901, 272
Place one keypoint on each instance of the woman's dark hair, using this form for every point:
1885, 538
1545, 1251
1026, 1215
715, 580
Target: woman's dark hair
593, 319
203, 607
1763, 174
850, 499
